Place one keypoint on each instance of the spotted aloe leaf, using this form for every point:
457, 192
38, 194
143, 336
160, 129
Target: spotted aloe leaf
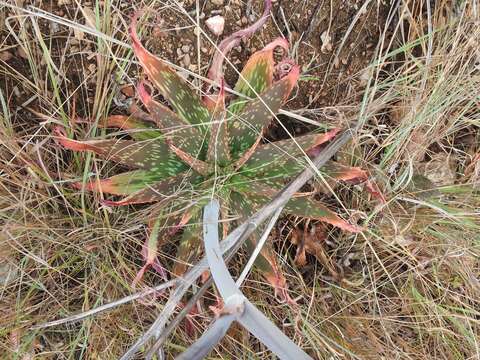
124, 184
260, 192
274, 154
149, 154
190, 243
336, 171
257, 74
181, 133
138, 129
266, 261
312, 209
186, 103
332, 171
199, 166
245, 127
149, 253
163, 190
218, 146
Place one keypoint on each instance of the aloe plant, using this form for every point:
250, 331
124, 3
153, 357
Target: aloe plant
201, 147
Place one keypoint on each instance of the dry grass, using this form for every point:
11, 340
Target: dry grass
409, 284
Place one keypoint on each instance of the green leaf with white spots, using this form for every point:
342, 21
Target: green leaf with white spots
138, 129
165, 190
218, 146
183, 134
266, 261
190, 247
260, 193
127, 183
283, 170
276, 153
187, 104
256, 75
245, 127
149, 154
312, 209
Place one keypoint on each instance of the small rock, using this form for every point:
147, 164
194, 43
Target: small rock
204, 50
365, 76
54, 27
217, 2
8, 273
22, 53
183, 75
186, 60
179, 52
5, 55
440, 170
216, 24
78, 34
326, 42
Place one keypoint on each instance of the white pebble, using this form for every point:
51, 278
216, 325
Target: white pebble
216, 24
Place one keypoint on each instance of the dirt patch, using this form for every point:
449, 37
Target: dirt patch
315, 31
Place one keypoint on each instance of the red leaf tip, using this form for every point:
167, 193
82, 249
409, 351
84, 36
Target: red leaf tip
138, 48
280, 287
77, 185
292, 77
145, 97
